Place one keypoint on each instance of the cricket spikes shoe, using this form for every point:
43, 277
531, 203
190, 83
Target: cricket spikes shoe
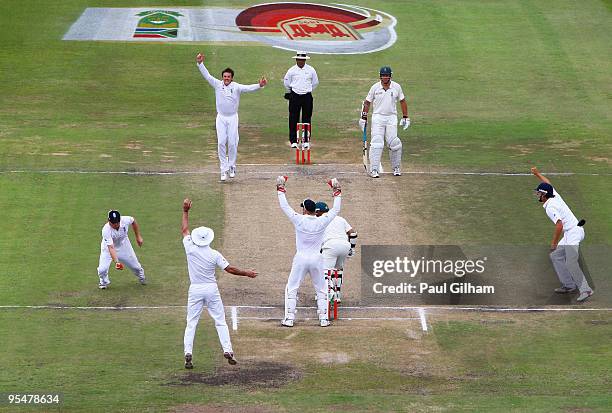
374, 173
223, 176
188, 363
564, 290
230, 358
397, 171
305, 145
584, 295
324, 322
287, 323
232, 171
294, 145
102, 286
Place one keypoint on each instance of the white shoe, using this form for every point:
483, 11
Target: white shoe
287, 323
294, 145
583, 296
102, 286
224, 176
324, 322
305, 145
374, 173
396, 171
232, 171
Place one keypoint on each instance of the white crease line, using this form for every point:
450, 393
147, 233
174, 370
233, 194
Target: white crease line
423, 319
234, 318
340, 318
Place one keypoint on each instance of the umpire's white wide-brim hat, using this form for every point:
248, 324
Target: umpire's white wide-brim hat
301, 56
202, 236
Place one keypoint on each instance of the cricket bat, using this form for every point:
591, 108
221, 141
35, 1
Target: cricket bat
366, 158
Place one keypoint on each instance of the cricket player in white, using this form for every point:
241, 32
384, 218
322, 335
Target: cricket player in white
339, 240
116, 247
202, 261
227, 97
563, 253
309, 231
384, 95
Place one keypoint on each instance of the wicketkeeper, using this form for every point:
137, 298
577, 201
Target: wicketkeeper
309, 230
384, 95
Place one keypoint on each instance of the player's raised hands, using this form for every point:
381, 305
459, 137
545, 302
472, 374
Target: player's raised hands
200, 58
186, 204
263, 81
280, 183
334, 184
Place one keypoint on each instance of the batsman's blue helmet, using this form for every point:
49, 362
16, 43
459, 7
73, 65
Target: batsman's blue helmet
546, 189
386, 71
321, 207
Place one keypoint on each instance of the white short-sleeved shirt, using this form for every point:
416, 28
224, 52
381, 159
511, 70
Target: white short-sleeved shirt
385, 101
301, 80
336, 230
227, 97
202, 262
557, 209
117, 237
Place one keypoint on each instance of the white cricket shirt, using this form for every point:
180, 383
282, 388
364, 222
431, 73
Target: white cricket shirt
557, 209
309, 229
202, 262
117, 237
301, 79
336, 230
385, 101
227, 98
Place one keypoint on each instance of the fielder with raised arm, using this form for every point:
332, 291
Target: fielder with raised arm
339, 241
384, 96
116, 246
309, 230
564, 252
227, 97
202, 261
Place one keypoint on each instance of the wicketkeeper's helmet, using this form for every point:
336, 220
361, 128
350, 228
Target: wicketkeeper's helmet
386, 71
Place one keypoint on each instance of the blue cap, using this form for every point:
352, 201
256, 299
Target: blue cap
114, 216
547, 189
309, 205
321, 206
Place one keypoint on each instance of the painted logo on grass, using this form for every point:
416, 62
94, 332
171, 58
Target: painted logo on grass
319, 28
157, 24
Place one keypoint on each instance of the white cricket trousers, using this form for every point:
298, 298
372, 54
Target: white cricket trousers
335, 253
384, 129
199, 296
565, 260
306, 263
125, 255
227, 139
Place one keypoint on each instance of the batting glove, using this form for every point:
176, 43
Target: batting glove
362, 123
280, 183
335, 186
118, 266
405, 123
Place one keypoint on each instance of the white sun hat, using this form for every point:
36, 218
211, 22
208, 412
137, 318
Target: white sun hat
301, 56
202, 236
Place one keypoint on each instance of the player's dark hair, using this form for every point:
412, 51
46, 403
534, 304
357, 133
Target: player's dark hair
228, 70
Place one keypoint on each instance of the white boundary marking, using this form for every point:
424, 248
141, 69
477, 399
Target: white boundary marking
211, 172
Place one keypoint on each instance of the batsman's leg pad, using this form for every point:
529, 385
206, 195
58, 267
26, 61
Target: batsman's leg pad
376, 150
395, 152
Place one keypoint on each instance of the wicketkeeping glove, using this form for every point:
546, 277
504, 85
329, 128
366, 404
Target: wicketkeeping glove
335, 186
280, 183
404, 123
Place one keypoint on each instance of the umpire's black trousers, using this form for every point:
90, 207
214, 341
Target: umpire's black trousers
299, 103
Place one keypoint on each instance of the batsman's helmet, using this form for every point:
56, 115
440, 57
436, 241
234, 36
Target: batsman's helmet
386, 71
114, 216
545, 189
321, 207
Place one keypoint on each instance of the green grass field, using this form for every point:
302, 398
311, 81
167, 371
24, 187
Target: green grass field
492, 85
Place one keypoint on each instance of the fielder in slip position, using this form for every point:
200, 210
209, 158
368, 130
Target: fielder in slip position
339, 241
116, 247
563, 253
227, 97
384, 96
203, 291
309, 232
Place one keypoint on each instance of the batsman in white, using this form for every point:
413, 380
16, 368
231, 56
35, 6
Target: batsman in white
563, 253
116, 247
339, 241
227, 97
202, 261
384, 96
309, 232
